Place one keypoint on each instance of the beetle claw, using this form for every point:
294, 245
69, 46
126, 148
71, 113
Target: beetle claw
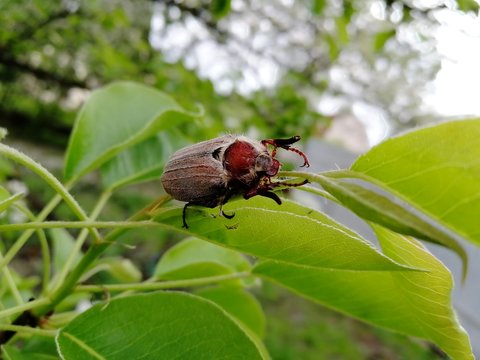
222, 213
228, 216
184, 215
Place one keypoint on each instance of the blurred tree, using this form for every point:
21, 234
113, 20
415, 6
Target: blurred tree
256, 66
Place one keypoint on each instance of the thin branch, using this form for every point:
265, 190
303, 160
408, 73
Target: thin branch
39, 73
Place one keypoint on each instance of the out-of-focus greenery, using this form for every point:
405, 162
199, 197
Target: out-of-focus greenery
53, 53
322, 334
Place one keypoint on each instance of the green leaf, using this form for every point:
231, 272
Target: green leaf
194, 258
318, 6
6, 168
379, 209
3, 133
36, 347
413, 303
468, 5
341, 24
142, 162
63, 244
7, 200
289, 233
121, 269
333, 48
114, 118
162, 325
220, 8
436, 170
240, 304
381, 39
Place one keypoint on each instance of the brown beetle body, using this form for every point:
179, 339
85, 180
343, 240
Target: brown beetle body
211, 172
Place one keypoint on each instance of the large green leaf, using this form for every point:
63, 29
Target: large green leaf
240, 304
163, 325
142, 162
114, 118
290, 233
413, 303
372, 206
436, 169
194, 258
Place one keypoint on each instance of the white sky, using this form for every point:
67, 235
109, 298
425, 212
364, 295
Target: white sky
457, 86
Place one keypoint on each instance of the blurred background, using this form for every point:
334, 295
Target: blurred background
343, 74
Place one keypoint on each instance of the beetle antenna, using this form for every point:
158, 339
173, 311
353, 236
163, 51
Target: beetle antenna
286, 145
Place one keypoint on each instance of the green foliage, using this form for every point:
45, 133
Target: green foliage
434, 169
193, 258
416, 303
290, 233
379, 209
402, 288
96, 139
240, 304
468, 5
220, 8
182, 319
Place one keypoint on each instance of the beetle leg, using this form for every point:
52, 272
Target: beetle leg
224, 214
282, 142
184, 213
225, 200
286, 144
266, 190
271, 195
228, 216
263, 191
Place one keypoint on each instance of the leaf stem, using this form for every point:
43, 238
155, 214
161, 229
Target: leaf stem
35, 225
43, 246
96, 250
28, 330
21, 308
11, 284
51, 180
15, 248
81, 239
143, 286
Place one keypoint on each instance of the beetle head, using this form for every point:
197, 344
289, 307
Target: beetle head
266, 164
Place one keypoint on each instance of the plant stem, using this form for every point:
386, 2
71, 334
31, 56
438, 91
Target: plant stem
43, 245
94, 252
11, 284
28, 330
35, 225
318, 192
26, 235
310, 177
21, 308
51, 180
161, 285
81, 239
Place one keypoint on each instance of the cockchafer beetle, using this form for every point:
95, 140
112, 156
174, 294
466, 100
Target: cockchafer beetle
211, 172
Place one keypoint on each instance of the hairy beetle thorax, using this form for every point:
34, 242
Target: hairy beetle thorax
246, 162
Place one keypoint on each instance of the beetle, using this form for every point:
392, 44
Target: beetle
211, 172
